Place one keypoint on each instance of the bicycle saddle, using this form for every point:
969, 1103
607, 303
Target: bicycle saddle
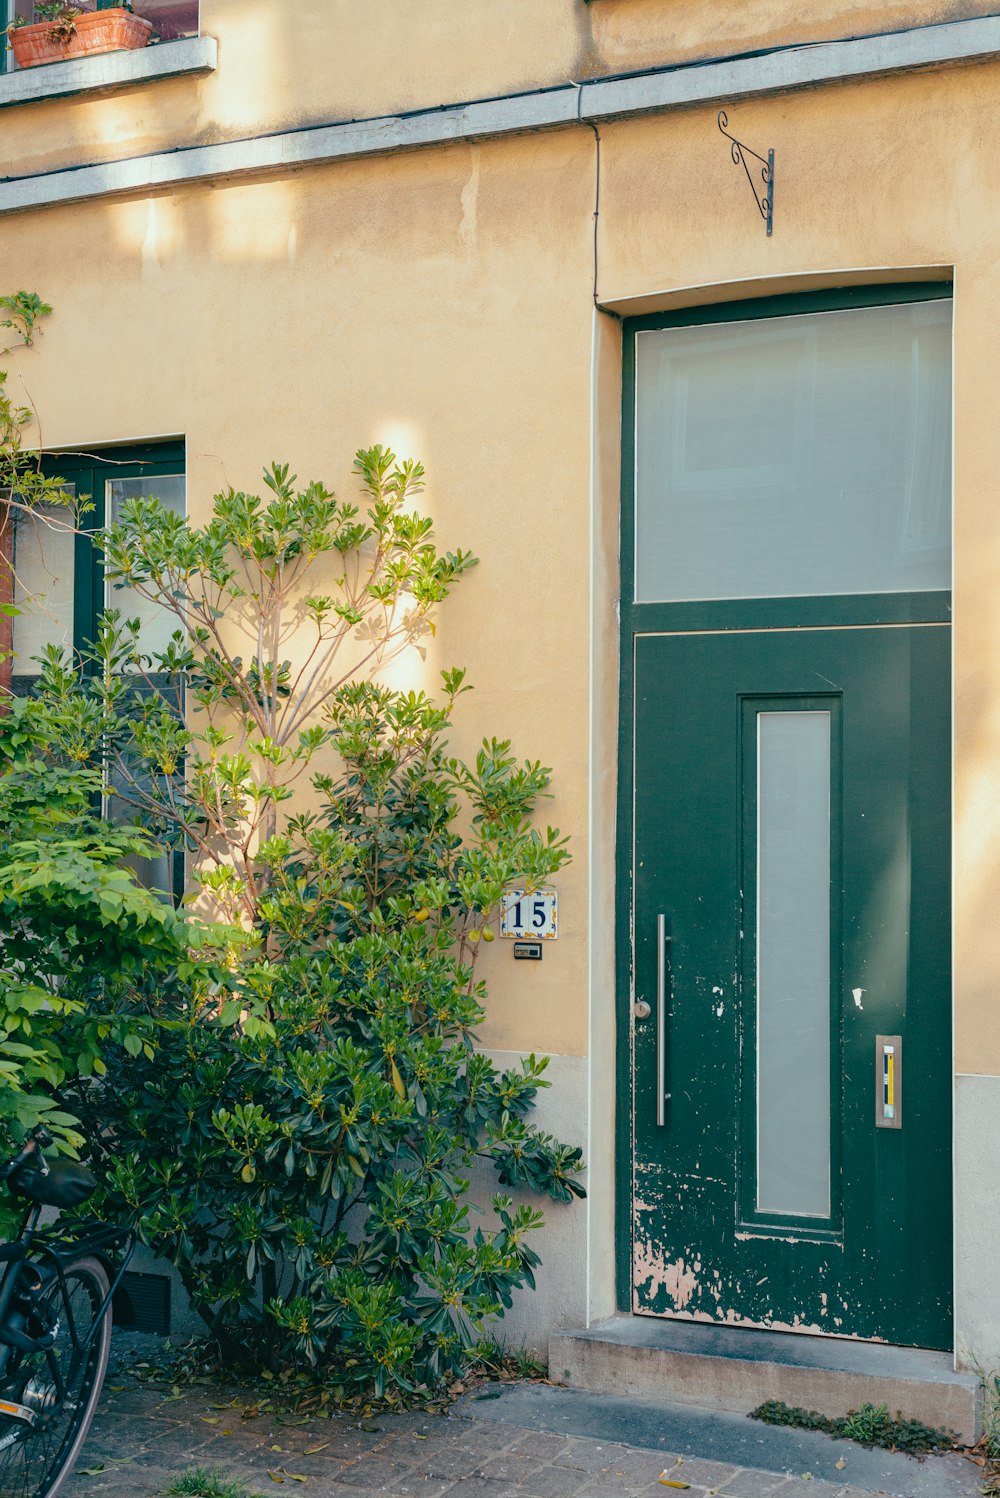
65, 1184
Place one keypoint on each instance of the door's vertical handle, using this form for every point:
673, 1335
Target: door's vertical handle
662, 1095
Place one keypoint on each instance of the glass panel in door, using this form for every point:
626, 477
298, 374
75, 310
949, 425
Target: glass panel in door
793, 963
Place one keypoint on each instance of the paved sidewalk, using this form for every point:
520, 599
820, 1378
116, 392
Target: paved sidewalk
146, 1436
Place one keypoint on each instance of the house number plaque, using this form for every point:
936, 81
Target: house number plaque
529, 913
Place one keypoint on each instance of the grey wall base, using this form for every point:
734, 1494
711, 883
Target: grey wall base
730, 1368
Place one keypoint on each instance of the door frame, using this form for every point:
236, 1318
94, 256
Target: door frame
695, 617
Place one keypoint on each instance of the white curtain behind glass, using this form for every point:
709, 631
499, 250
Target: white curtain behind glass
43, 584
795, 455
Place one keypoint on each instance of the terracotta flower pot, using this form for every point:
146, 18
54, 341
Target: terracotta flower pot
96, 31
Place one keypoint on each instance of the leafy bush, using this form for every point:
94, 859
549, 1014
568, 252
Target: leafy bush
75, 932
299, 1122
309, 1174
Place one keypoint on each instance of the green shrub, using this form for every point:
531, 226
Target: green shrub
309, 1173
300, 1131
76, 933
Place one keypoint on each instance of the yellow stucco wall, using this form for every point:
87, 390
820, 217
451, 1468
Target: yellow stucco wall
283, 65
384, 301
441, 300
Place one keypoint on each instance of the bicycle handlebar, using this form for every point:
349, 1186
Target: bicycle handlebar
38, 1140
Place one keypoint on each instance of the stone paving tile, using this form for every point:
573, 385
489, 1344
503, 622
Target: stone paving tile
606, 1485
699, 1473
484, 1487
631, 1462
589, 1456
455, 1462
559, 1482
813, 1487
752, 1484
792, 1487
152, 1483
656, 1491
798, 1487
490, 1435
541, 1444
512, 1467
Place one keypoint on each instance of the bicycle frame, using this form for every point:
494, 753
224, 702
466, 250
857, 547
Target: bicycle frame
55, 1248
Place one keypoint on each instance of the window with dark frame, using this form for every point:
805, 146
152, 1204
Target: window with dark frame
55, 578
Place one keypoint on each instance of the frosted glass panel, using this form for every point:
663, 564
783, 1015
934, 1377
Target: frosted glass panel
43, 584
793, 963
791, 456
157, 623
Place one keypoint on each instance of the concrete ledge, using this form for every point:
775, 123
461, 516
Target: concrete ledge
108, 70
730, 1368
711, 83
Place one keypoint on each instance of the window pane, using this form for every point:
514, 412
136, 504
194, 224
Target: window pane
171, 19
795, 455
157, 623
43, 584
156, 873
793, 963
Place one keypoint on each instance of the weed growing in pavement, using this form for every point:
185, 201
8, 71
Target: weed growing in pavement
869, 1425
498, 1360
200, 1483
990, 1439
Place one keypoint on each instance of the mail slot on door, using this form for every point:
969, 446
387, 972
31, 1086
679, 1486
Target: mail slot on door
888, 1081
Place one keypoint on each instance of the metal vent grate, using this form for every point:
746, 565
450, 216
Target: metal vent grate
142, 1303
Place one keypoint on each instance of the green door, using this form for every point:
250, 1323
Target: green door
791, 969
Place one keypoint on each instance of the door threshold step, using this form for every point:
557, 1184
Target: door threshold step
737, 1368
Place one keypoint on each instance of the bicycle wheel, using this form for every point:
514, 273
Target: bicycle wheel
35, 1462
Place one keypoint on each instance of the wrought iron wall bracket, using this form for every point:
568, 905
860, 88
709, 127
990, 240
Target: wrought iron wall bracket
764, 197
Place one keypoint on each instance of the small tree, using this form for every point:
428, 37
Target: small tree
280, 604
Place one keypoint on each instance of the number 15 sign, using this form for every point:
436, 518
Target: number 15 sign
529, 914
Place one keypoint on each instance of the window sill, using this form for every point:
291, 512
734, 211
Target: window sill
109, 70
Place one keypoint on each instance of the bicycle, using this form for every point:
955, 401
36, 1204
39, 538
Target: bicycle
56, 1293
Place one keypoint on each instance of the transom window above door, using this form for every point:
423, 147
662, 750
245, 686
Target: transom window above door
794, 455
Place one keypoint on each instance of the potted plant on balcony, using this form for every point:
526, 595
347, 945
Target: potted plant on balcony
66, 28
